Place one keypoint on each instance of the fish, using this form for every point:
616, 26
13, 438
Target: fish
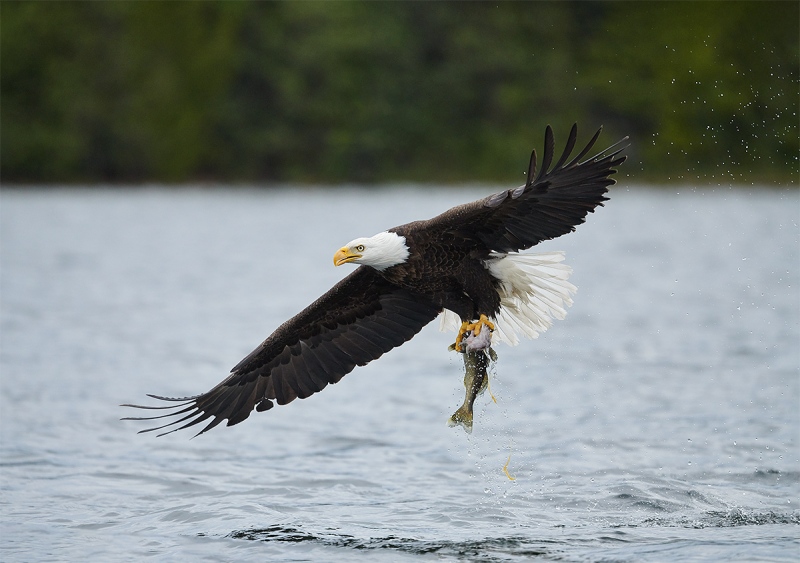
477, 353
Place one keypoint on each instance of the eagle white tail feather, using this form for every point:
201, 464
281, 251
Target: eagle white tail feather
534, 290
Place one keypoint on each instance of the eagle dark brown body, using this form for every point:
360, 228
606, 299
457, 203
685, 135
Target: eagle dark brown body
468, 289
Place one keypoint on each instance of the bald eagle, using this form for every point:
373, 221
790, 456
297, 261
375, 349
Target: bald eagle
464, 263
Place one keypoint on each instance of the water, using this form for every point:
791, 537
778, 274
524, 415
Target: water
658, 422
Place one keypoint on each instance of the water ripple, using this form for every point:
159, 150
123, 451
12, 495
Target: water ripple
657, 422
488, 549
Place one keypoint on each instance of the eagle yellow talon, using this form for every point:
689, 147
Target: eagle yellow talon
465, 326
484, 320
474, 327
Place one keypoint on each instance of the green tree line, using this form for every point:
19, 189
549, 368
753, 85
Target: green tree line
331, 92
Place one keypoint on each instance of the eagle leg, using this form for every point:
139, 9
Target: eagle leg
465, 326
474, 327
484, 320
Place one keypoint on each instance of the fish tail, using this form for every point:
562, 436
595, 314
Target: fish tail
462, 417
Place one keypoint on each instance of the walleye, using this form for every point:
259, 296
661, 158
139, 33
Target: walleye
477, 355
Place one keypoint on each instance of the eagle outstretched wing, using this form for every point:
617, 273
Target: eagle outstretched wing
356, 321
549, 205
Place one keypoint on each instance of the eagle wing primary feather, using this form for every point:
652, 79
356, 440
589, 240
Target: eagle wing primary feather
355, 322
549, 205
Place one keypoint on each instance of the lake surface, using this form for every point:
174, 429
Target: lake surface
659, 421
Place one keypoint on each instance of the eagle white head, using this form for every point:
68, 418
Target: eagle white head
381, 251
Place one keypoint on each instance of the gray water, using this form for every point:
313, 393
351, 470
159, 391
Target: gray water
658, 422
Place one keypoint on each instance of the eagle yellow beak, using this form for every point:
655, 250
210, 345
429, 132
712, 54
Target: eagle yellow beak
344, 255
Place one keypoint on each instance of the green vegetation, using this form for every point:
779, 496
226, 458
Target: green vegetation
335, 92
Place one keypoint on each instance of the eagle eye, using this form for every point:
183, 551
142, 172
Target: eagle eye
360, 248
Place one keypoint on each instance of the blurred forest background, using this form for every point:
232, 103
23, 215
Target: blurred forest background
333, 92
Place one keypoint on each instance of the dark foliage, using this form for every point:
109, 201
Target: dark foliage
375, 92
